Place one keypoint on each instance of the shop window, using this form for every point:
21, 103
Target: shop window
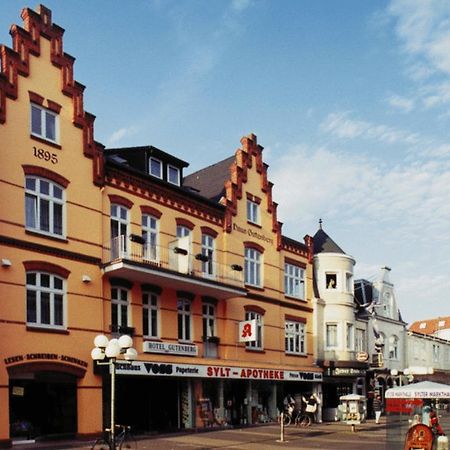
119, 308
150, 235
173, 175
295, 337
44, 123
207, 255
331, 280
184, 320
150, 315
294, 283
253, 214
119, 230
258, 343
253, 266
44, 206
331, 335
46, 304
155, 167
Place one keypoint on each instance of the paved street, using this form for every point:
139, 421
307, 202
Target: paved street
328, 436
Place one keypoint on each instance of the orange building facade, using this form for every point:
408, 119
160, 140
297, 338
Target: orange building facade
117, 241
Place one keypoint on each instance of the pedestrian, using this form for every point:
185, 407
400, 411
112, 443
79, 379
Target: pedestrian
377, 407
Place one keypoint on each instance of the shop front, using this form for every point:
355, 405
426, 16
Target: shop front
154, 396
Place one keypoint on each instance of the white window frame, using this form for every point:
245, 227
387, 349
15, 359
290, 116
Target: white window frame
169, 168
328, 343
360, 340
120, 306
184, 311
209, 320
39, 292
120, 218
253, 212
258, 344
36, 198
150, 314
160, 174
295, 337
43, 114
294, 281
208, 248
150, 233
253, 267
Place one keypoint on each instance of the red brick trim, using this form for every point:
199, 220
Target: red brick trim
295, 262
44, 266
36, 98
145, 209
254, 246
295, 318
209, 231
53, 106
180, 221
254, 308
45, 173
253, 198
119, 200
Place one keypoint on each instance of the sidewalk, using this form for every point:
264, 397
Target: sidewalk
326, 436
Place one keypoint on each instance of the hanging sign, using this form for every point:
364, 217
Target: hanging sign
247, 331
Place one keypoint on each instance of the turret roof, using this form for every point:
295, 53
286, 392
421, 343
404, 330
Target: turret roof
324, 244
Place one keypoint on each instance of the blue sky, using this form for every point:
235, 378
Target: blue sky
350, 100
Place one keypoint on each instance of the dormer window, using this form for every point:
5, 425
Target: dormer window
423, 325
173, 175
155, 167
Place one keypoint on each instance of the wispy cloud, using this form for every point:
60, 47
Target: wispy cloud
120, 134
401, 103
341, 125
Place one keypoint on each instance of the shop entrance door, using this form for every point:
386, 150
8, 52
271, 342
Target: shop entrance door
42, 405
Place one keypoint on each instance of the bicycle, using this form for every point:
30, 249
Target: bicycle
304, 419
123, 439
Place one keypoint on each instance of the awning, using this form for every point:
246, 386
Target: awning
423, 389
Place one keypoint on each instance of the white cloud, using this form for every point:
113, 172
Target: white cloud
402, 103
121, 133
240, 5
340, 125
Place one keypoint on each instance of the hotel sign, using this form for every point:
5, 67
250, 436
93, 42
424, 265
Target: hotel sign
203, 371
170, 348
253, 234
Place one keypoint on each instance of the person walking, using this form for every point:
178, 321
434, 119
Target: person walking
377, 407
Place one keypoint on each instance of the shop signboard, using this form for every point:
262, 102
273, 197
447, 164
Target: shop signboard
170, 348
204, 371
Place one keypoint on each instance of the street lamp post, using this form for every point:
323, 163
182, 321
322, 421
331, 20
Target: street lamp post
106, 353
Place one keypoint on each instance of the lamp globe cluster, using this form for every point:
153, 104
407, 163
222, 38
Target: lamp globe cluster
111, 349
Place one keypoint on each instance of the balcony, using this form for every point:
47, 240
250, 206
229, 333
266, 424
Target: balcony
171, 267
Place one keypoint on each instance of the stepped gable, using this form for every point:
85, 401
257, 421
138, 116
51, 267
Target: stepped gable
324, 244
15, 61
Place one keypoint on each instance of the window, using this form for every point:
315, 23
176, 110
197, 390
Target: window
44, 123
258, 343
360, 340
349, 282
208, 254
209, 320
294, 284
350, 336
45, 300
184, 320
150, 236
331, 335
252, 267
331, 280
253, 212
173, 175
295, 337
183, 231
150, 314
393, 347
119, 308
436, 353
119, 229
44, 206
155, 167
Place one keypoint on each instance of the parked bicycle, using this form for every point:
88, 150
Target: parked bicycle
123, 439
